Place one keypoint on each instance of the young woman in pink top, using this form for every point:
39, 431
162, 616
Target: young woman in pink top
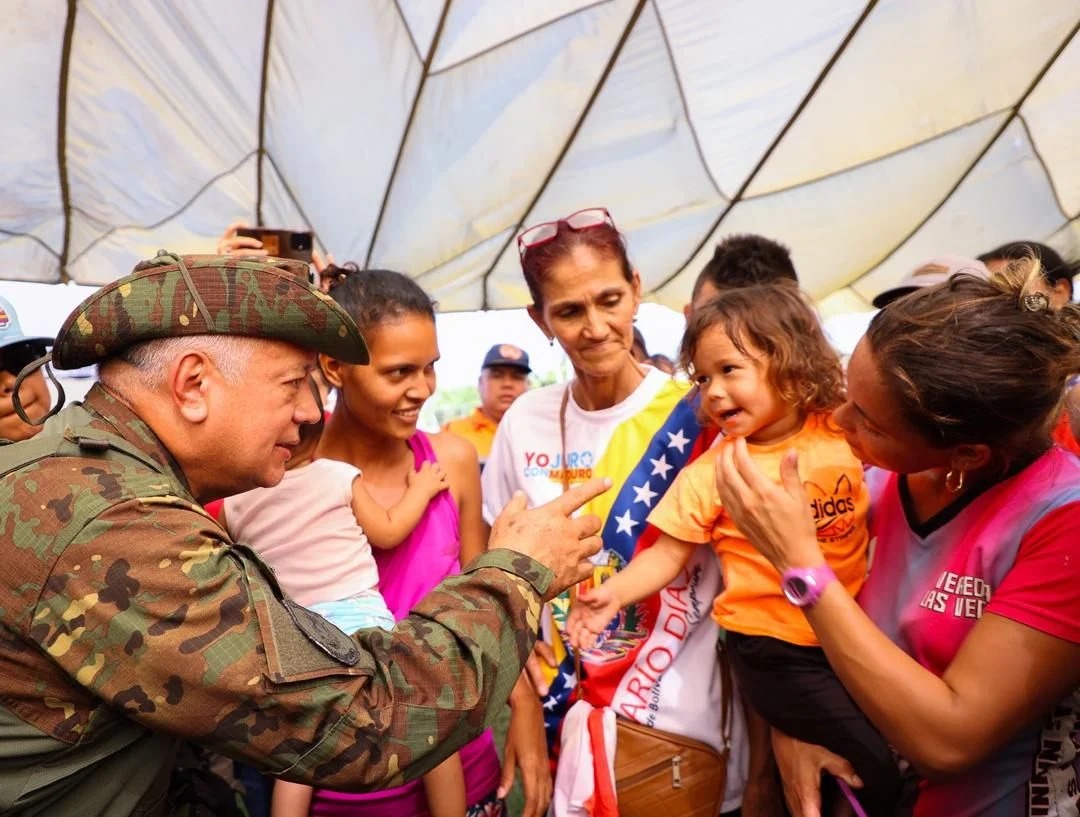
964, 646
373, 427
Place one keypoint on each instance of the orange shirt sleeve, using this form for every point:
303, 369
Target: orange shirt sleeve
690, 508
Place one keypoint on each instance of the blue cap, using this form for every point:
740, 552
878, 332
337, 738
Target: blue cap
507, 354
10, 330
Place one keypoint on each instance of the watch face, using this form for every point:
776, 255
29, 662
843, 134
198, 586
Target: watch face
796, 588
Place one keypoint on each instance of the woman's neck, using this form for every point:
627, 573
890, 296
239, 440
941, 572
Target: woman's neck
595, 393
346, 440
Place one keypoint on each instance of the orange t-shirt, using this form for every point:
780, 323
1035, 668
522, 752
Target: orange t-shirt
477, 428
752, 602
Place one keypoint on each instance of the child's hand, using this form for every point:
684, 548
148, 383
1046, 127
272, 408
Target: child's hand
590, 614
430, 479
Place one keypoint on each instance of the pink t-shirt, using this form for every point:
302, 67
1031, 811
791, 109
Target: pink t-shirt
1013, 550
304, 526
408, 573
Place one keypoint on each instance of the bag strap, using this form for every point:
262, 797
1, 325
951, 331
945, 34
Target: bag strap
566, 487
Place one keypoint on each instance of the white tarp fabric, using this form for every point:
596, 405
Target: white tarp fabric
422, 134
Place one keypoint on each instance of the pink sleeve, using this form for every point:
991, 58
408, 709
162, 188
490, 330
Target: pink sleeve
1042, 590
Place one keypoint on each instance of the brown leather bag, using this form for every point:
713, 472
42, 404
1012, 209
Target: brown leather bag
661, 774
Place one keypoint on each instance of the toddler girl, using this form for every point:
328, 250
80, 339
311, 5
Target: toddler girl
765, 371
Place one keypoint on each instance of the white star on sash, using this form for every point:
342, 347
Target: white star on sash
661, 467
626, 523
571, 678
678, 440
644, 493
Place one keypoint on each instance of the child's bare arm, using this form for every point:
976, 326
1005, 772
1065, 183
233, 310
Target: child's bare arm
290, 799
647, 573
387, 527
445, 788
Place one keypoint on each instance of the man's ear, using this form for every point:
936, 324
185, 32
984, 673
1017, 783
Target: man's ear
188, 384
332, 370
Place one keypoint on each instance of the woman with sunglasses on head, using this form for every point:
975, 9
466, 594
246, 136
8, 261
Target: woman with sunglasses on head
964, 646
630, 422
16, 351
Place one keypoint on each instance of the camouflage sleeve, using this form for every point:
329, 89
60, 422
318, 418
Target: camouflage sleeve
152, 611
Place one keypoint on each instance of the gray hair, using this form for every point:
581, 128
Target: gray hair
148, 362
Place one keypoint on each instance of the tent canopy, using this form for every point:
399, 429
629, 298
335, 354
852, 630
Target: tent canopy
422, 135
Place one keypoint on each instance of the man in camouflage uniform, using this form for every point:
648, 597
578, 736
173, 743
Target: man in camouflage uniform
128, 618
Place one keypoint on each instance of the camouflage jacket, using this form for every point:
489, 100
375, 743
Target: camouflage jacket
128, 620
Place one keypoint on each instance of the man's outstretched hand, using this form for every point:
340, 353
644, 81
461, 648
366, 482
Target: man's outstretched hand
551, 535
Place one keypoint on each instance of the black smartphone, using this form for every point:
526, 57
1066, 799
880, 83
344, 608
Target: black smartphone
295, 244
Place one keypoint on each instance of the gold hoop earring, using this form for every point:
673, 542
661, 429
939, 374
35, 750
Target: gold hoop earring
954, 481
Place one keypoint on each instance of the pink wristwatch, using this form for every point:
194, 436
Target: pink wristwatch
803, 586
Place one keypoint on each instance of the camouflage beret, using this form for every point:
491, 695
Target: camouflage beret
169, 296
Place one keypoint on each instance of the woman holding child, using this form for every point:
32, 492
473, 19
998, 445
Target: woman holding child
963, 648
373, 427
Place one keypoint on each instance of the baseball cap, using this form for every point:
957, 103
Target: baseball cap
172, 295
938, 269
507, 354
11, 331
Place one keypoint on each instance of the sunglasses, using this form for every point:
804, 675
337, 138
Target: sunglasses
547, 231
17, 356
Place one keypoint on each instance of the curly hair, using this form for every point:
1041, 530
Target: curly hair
777, 319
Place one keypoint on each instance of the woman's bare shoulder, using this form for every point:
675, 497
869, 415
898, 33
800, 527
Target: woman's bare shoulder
452, 450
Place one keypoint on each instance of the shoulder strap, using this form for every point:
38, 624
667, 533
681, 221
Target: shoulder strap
69, 435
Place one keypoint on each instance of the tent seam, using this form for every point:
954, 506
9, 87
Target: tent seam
682, 98
61, 137
13, 234
891, 154
627, 29
424, 75
518, 36
978, 158
807, 98
1042, 163
164, 220
408, 30
263, 85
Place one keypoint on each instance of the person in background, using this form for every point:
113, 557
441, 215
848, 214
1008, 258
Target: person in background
1056, 282
661, 362
963, 647
739, 261
936, 270
504, 377
619, 419
16, 351
1057, 274
638, 350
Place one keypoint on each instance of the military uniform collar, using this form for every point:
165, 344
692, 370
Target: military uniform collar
110, 411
